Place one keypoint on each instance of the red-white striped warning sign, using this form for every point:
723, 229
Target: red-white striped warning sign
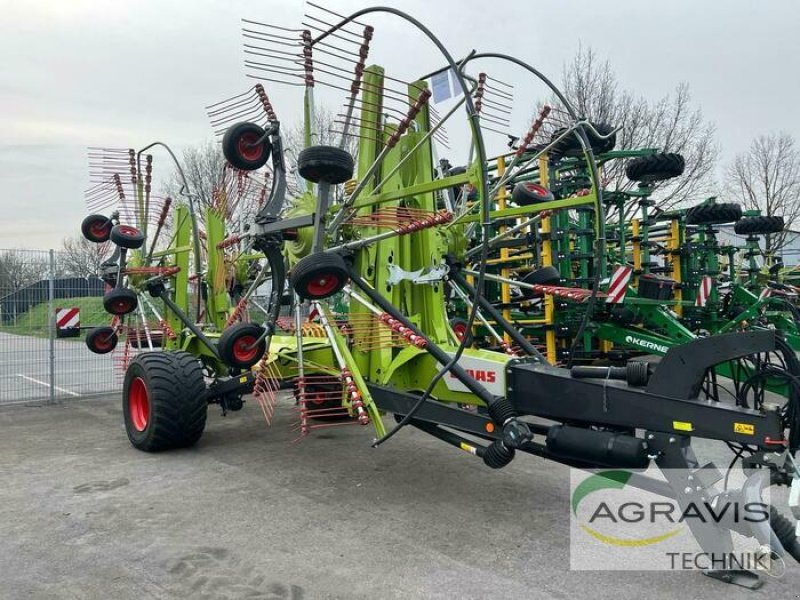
618, 286
765, 293
68, 318
704, 291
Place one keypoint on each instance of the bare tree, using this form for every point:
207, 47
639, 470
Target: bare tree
19, 269
81, 258
670, 124
207, 176
327, 129
767, 178
204, 167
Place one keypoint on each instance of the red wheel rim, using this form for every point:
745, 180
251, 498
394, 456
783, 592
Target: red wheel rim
128, 230
99, 229
139, 404
121, 306
103, 341
316, 398
535, 188
245, 349
248, 147
460, 329
323, 285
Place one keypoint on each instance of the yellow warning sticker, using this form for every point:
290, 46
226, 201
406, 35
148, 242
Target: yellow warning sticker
243, 379
468, 448
744, 428
682, 426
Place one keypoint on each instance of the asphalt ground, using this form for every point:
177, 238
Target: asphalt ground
25, 369
249, 514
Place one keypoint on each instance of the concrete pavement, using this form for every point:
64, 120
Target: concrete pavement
247, 514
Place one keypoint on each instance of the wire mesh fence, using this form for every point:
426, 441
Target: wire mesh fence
47, 305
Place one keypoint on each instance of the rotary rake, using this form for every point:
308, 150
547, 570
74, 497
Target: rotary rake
373, 246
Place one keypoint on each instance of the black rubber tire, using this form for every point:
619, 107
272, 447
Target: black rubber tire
735, 310
622, 315
325, 163
176, 408
101, 340
713, 214
570, 146
96, 228
785, 531
326, 402
140, 340
457, 324
526, 193
120, 301
656, 167
234, 345
319, 275
127, 236
543, 276
759, 225
238, 149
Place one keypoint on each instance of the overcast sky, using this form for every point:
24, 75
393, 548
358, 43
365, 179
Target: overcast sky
115, 73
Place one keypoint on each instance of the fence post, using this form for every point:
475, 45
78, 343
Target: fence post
51, 330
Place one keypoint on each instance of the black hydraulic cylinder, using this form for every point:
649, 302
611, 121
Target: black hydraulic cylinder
164, 295
451, 438
598, 447
635, 373
581, 372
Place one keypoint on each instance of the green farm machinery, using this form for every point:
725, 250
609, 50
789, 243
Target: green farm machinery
336, 284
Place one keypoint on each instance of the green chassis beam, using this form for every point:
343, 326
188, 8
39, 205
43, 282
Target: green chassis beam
534, 208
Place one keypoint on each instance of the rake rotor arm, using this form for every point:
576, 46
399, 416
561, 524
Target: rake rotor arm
186, 191
498, 318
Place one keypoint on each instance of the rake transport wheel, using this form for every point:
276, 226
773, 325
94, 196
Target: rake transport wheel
325, 403
759, 225
319, 276
102, 340
241, 146
713, 214
127, 236
162, 401
527, 192
459, 327
325, 163
120, 301
543, 276
570, 146
656, 167
96, 228
237, 345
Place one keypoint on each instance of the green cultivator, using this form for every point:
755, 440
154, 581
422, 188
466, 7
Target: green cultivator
332, 276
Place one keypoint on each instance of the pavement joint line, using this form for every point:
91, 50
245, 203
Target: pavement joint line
55, 387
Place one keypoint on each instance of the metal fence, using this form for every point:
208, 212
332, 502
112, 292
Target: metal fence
46, 309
